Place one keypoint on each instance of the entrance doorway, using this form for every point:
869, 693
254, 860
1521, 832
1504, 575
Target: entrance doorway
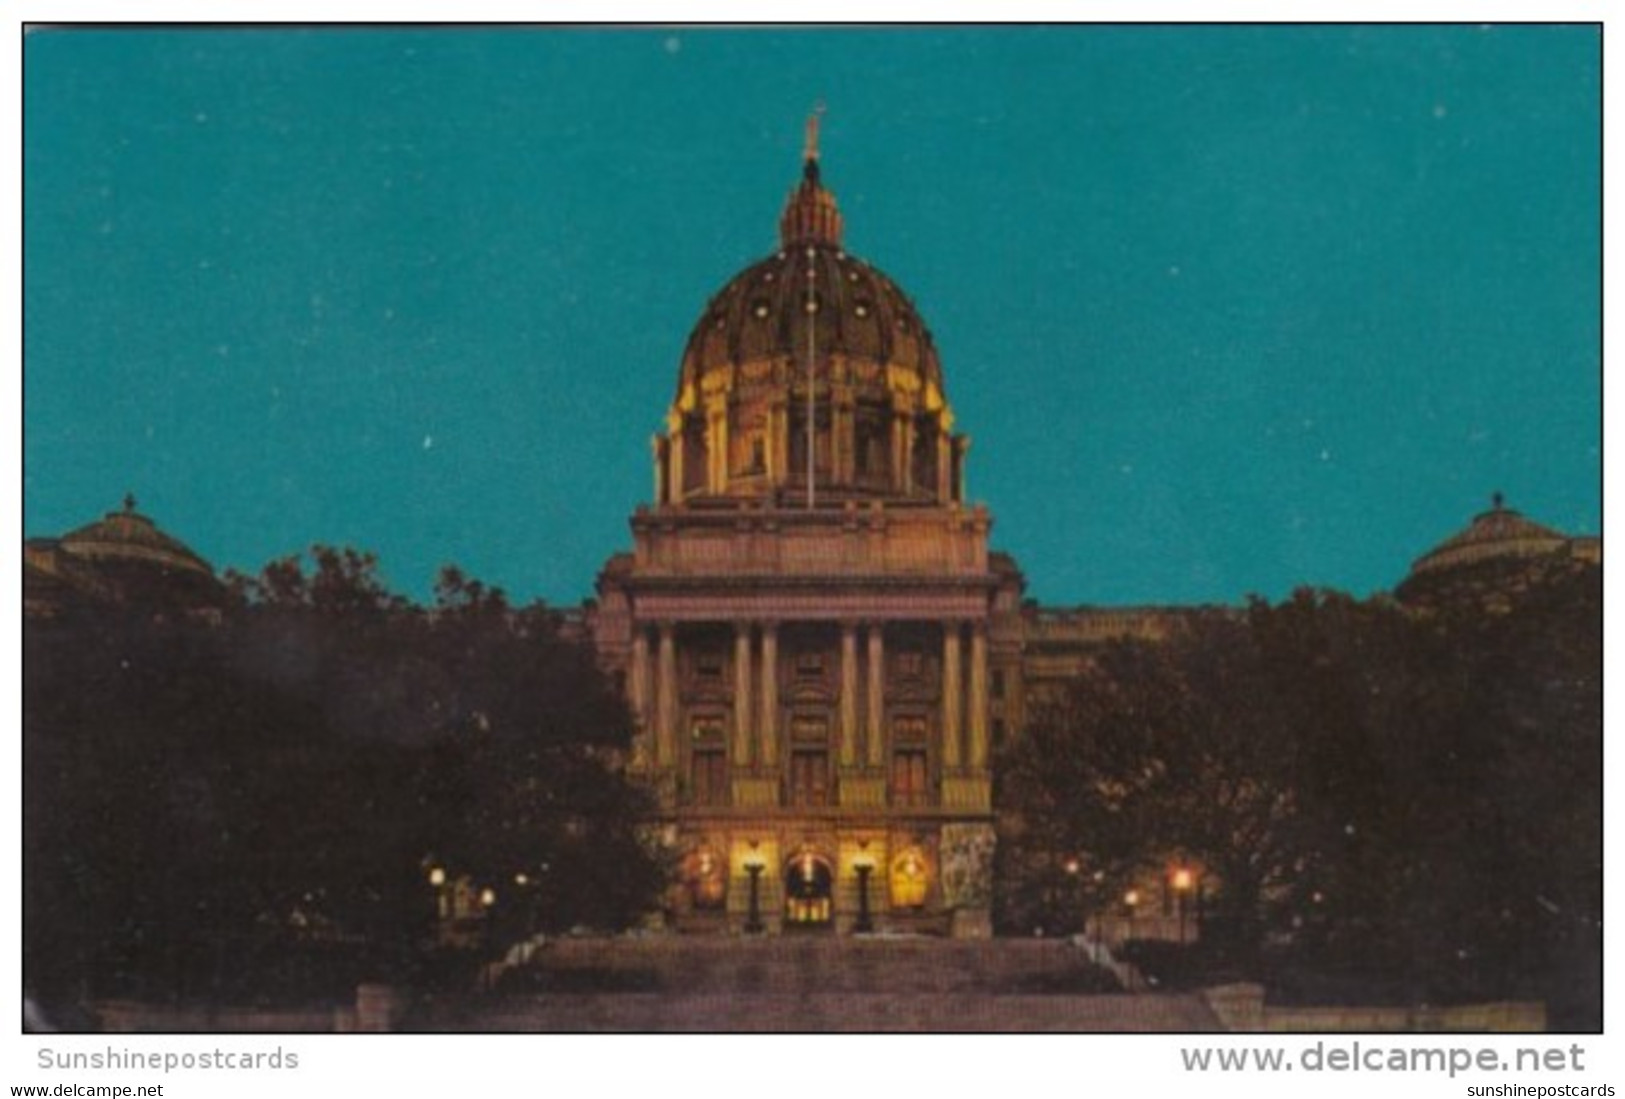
808, 892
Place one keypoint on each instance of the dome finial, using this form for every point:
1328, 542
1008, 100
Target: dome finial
810, 215
1497, 501
810, 153
129, 502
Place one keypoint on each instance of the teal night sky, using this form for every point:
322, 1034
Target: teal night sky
1226, 310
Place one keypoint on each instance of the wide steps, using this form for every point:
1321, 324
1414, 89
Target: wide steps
797, 983
800, 964
824, 1012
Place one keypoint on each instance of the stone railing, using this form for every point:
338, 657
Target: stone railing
1242, 1007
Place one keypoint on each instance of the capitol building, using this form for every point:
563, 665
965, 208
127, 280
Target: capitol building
820, 650
819, 647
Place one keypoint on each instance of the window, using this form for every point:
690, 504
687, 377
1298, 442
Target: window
709, 781
809, 777
708, 666
910, 783
910, 664
908, 730
809, 731
998, 682
810, 666
706, 876
708, 729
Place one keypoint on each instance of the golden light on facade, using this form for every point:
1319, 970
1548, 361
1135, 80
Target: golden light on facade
521, 878
1182, 879
488, 897
1072, 867
1132, 898
437, 876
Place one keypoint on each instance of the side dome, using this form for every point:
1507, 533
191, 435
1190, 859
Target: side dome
128, 537
810, 377
1497, 556
122, 558
1497, 533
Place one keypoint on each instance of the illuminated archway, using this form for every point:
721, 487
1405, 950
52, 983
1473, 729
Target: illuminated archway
809, 886
910, 879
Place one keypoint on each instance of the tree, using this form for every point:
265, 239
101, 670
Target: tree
1409, 793
277, 780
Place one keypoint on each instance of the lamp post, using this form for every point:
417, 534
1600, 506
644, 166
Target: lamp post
1131, 901
864, 924
437, 882
488, 900
1182, 879
1072, 866
753, 919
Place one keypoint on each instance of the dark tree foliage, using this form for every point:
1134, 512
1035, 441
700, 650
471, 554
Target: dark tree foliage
1405, 801
208, 800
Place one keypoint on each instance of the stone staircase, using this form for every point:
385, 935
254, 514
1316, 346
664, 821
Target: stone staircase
811, 984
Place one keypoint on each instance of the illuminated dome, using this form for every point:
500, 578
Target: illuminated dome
810, 326
856, 313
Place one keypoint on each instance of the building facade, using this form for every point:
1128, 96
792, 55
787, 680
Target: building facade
819, 647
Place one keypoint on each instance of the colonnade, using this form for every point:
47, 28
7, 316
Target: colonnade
860, 740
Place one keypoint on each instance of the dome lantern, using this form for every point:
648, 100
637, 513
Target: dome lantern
810, 214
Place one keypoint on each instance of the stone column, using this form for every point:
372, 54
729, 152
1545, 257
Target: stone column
945, 468
716, 437
908, 453
950, 695
978, 696
849, 694
778, 447
658, 446
877, 698
845, 439
742, 693
769, 723
666, 698
674, 458
640, 676
637, 689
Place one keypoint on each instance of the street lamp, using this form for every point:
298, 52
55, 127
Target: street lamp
1072, 866
442, 902
1182, 880
1131, 900
864, 866
753, 919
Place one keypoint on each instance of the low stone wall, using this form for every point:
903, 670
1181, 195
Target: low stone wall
129, 1017
1242, 1007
